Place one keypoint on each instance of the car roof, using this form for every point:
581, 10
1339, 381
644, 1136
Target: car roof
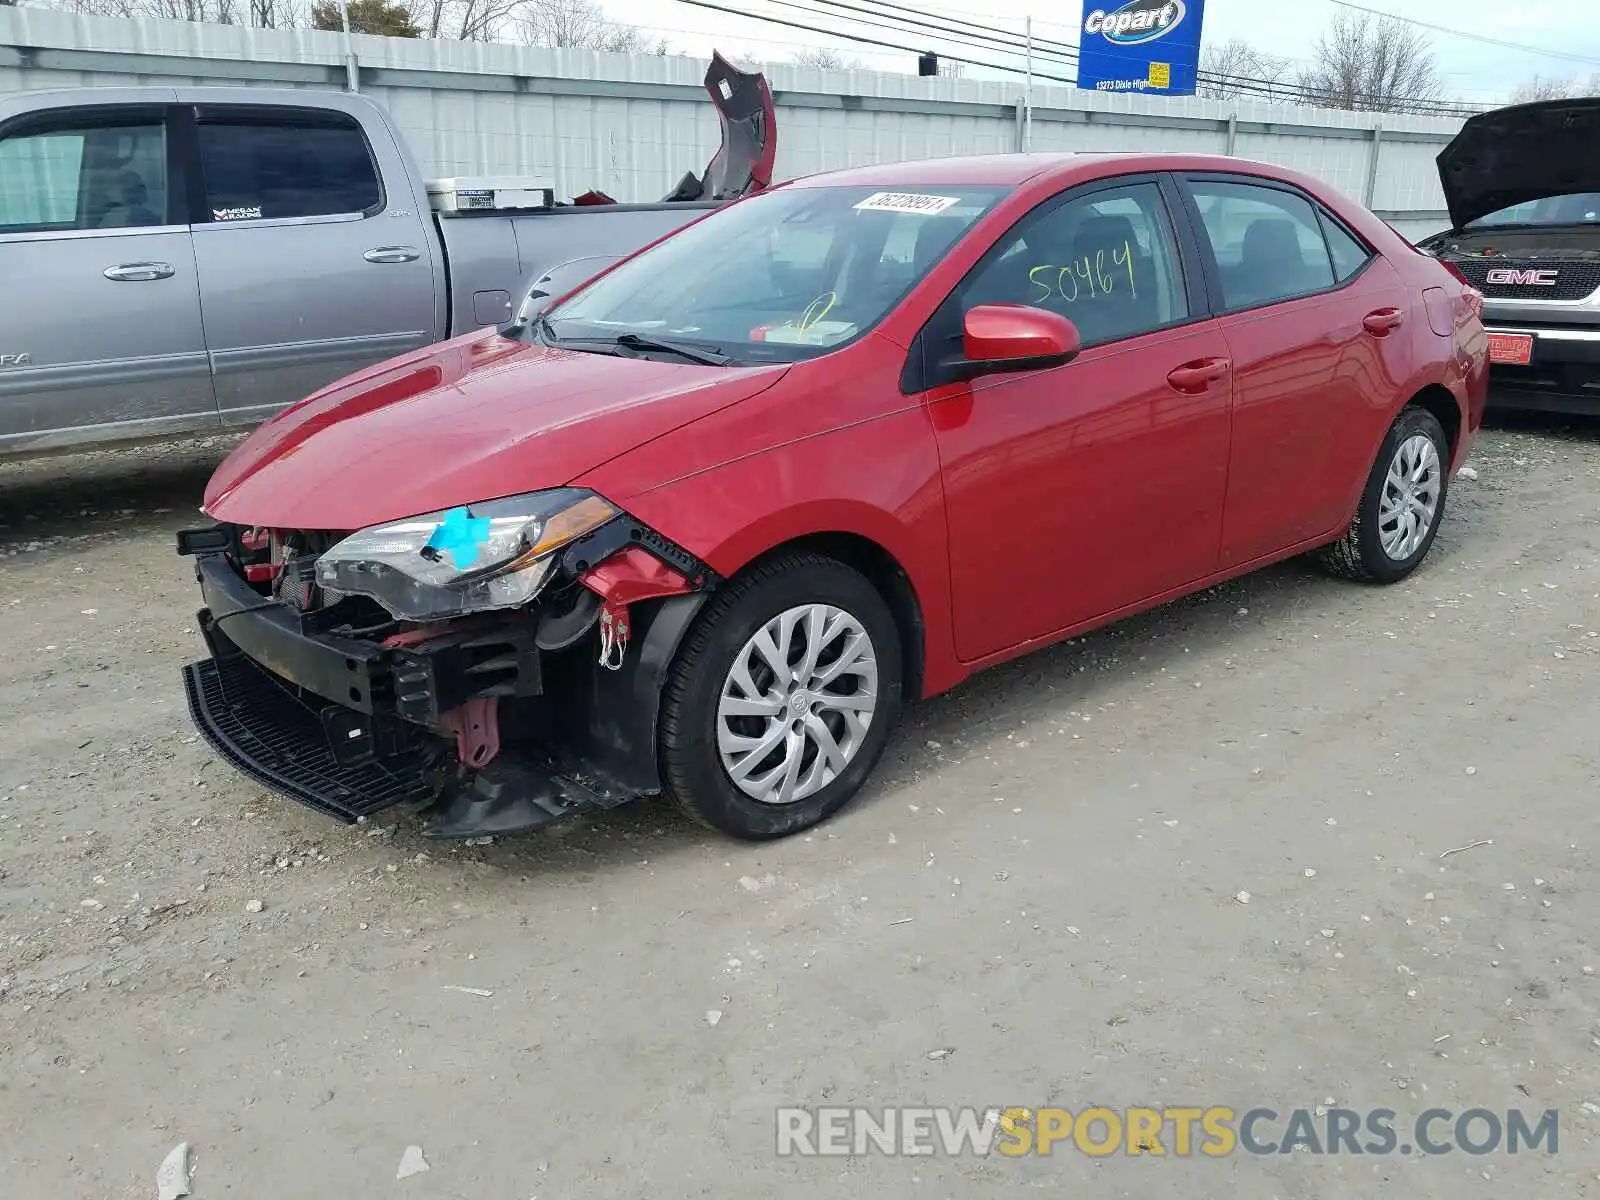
1013, 170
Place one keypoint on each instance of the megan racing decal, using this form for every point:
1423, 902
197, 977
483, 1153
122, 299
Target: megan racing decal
1137, 21
252, 213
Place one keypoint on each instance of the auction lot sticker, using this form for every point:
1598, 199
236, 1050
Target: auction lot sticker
907, 202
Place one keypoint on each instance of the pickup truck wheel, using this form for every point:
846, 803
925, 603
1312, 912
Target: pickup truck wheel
1401, 507
782, 698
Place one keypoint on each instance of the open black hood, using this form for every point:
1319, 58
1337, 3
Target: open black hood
1525, 152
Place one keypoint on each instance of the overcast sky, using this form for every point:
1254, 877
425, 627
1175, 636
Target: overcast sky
1471, 70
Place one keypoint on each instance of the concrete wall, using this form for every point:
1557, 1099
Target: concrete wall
633, 124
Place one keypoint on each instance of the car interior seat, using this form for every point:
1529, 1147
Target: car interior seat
1271, 263
1121, 307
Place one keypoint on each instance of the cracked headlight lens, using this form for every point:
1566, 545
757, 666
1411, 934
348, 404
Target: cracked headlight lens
474, 558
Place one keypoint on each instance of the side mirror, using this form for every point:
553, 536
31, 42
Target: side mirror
1002, 338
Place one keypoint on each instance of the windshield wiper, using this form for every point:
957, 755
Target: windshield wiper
699, 354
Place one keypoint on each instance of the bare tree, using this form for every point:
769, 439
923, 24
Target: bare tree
578, 25
1236, 68
822, 58
1540, 88
1371, 64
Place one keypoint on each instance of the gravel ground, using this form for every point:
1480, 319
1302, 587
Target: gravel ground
1193, 859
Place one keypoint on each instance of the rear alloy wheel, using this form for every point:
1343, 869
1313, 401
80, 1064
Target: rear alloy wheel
1401, 506
782, 698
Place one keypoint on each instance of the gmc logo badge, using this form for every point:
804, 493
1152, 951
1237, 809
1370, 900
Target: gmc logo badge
1522, 278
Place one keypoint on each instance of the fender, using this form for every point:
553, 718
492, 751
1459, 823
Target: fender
624, 707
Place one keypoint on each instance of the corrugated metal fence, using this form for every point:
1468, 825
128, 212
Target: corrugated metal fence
633, 124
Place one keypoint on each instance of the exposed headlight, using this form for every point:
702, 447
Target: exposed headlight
470, 559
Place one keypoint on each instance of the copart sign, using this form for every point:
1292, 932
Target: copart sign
1140, 46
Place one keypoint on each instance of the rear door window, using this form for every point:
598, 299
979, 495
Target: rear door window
1267, 242
77, 174
280, 167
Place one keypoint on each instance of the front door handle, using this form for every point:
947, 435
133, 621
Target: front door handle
139, 272
1195, 377
392, 254
1379, 323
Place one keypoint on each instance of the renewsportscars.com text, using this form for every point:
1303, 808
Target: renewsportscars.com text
1211, 1132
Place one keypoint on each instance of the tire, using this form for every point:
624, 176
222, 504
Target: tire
718, 721
1374, 549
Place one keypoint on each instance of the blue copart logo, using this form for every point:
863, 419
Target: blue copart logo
1137, 21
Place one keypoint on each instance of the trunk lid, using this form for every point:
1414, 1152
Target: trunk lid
1521, 153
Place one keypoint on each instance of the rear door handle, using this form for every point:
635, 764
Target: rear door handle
140, 272
1382, 321
1199, 375
392, 254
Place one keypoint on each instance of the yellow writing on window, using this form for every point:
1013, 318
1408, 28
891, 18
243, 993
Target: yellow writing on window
817, 309
1087, 278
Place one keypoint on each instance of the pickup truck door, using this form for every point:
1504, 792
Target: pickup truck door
313, 256
100, 334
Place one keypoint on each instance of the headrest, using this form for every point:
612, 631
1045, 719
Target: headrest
1104, 233
133, 187
1270, 240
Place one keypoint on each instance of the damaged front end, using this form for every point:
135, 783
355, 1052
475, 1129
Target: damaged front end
497, 667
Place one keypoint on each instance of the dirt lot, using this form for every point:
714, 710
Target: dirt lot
1042, 901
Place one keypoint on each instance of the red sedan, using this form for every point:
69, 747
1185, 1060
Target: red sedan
701, 528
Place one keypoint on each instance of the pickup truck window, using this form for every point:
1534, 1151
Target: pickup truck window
263, 170
781, 276
73, 175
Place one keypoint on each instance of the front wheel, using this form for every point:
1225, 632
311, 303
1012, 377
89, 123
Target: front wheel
1401, 506
782, 698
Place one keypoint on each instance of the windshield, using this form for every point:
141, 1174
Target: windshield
785, 275
1578, 209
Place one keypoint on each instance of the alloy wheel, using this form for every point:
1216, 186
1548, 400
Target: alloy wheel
1410, 499
796, 704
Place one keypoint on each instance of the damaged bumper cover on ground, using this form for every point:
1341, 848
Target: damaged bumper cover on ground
488, 723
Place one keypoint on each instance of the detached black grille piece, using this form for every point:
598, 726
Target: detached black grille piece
1573, 280
277, 736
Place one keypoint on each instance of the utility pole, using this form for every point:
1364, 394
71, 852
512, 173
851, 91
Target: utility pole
1027, 90
352, 70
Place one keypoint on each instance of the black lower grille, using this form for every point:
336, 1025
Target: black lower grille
1568, 280
277, 736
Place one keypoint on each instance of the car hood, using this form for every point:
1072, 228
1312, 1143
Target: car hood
471, 419
1525, 152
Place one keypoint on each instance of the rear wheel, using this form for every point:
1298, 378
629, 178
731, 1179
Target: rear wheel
1401, 507
781, 700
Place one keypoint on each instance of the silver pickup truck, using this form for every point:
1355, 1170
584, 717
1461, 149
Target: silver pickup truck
179, 261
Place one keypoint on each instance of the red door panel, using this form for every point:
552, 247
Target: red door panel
1315, 381
1076, 491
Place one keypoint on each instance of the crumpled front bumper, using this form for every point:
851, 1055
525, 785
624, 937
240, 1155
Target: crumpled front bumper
285, 738
351, 727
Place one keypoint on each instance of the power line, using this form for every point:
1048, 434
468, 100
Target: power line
861, 39
1471, 37
1263, 88
1253, 86
1002, 41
